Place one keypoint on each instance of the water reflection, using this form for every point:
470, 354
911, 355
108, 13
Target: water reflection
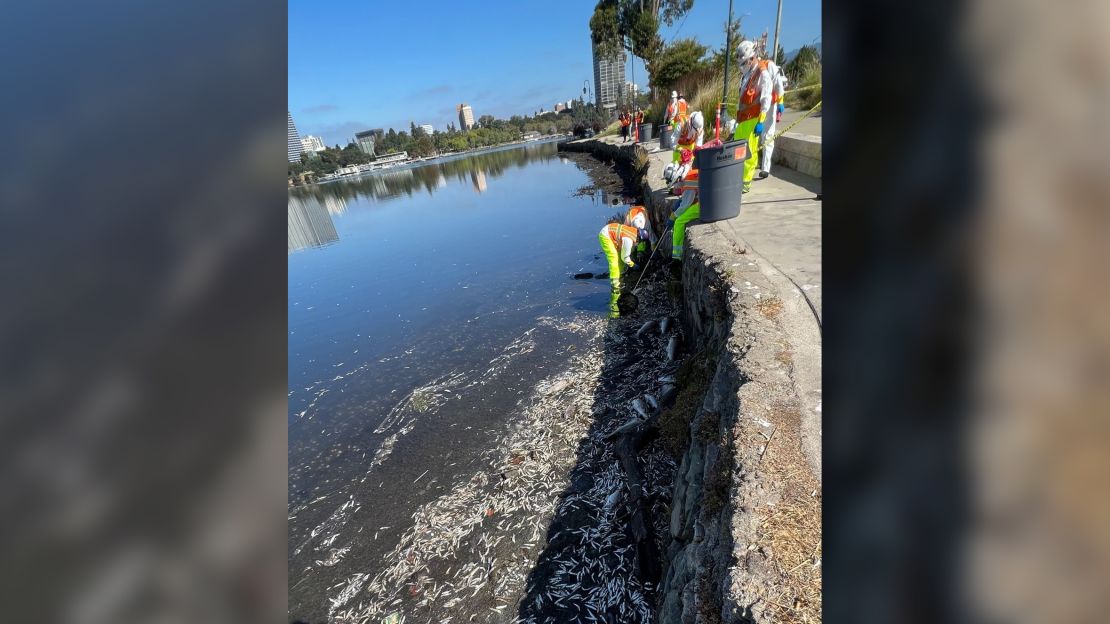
478, 178
476, 169
310, 223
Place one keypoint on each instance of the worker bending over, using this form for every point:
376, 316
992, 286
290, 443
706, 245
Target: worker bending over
690, 136
637, 217
617, 241
688, 209
754, 105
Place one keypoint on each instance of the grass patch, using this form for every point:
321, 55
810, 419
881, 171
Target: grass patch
611, 130
805, 100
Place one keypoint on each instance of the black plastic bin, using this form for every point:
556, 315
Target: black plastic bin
721, 179
645, 133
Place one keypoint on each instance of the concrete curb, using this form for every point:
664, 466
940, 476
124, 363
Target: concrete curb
800, 152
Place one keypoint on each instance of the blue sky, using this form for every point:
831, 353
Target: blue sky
355, 65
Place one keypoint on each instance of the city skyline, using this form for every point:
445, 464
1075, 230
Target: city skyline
336, 90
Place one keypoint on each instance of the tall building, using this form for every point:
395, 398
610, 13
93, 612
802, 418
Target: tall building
466, 116
312, 144
365, 141
428, 129
608, 79
295, 148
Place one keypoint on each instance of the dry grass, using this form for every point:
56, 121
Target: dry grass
790, 529
693, 380
612, 129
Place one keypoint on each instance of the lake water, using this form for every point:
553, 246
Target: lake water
424, 303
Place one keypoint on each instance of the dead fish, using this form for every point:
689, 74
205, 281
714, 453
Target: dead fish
601, 275
638, 405
667, 379
651, 401
644, 329
668, 394
664, 325
612, 500
583, 275
672, 348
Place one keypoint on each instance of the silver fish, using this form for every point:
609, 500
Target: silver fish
667, 379
651, 401
638, 405
644, 329
672, 348
668, 393
612, 500
664, 325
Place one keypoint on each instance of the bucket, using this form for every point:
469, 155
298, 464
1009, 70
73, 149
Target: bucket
666, 139
721, 179
645, 133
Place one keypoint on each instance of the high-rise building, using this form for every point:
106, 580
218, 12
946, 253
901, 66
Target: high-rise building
608, 79
365, 141
312, 144
428, 129
295, 148
466, 116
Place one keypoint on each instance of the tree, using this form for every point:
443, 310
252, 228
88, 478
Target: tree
805, 60
633, 25
679, 59
486, 121
733, 34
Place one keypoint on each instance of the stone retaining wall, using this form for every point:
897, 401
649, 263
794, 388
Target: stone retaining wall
716, 568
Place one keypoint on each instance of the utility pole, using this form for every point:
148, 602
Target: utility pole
775, 47
728, 53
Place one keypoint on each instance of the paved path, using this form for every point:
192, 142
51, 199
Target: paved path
810, 125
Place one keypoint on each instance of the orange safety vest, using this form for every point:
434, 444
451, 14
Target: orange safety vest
749, 95
624, 120
690, 182
639, 117
682, 111
617, 231
688, 135
670, 110
636, 210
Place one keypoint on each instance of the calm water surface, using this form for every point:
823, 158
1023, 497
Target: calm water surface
423, 303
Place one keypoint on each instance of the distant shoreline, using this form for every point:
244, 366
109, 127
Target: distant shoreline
445, 157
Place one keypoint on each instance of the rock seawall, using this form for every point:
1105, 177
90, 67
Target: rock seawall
744, 540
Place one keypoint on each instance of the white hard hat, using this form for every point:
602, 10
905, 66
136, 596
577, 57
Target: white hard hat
674, 94
697, 121
746, 50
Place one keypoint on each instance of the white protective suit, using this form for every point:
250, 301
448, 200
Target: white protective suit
778, 85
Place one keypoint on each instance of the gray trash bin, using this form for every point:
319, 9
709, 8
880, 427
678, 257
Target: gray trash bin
645, 133
721, 179
666, 139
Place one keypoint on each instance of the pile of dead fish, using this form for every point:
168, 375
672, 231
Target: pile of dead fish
540, 533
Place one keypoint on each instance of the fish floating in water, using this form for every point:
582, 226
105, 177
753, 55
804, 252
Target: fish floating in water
652, 401
583, 275
638, 405
672, 348
644, 329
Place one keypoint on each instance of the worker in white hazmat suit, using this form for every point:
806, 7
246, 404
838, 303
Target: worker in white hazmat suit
753, 108
778, 88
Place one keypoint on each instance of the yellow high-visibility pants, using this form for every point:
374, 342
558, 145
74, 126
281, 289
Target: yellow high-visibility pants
614, 259
746, 130
679, 233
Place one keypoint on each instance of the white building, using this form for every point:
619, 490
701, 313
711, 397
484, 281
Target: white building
428, 129
570, 103
294, 141
608, 79
312, 143
466, 116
